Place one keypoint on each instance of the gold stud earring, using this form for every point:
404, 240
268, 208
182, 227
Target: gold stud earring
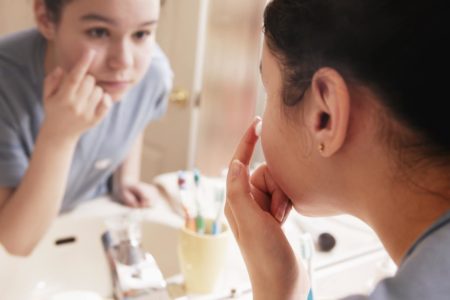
321, 147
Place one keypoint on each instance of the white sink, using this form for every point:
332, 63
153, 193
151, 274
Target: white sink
80, 264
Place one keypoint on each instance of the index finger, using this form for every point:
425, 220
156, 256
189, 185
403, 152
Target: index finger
244, 150
80, 69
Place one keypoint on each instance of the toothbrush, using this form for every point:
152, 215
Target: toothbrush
220, 197
189, 221
307, 253
199, 221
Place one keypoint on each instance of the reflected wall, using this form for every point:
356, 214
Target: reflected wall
15, 15
231, 80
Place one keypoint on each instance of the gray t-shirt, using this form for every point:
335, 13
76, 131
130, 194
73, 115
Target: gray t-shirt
424, 274
101, 149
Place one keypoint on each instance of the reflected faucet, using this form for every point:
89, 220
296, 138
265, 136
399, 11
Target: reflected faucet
135, 273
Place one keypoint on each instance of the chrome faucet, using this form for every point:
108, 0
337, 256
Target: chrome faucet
135, 273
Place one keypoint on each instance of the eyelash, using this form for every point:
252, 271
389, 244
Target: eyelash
98, 33
101, 33
142, 35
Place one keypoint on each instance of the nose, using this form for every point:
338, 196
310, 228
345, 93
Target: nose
120, 55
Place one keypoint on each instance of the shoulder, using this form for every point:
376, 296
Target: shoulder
431, 250
424, 273
150, 96
160, 60
160, 72
21, 56
15, 48
157, 80
21, 61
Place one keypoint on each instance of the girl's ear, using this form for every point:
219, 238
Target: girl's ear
44, 22
329, 111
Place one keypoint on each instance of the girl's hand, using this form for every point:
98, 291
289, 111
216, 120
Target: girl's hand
136, 194
73, 102
255, 208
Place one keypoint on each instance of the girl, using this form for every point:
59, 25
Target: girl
354, 123
62, 138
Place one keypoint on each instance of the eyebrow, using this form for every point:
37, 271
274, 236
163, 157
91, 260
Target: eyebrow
97, 17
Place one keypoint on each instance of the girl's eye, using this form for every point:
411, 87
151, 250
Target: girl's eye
98, 33
142, 35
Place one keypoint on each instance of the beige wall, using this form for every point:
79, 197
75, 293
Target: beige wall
15, 15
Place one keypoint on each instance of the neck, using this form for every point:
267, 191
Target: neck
400, 209
399, 202
50, 58
403, 224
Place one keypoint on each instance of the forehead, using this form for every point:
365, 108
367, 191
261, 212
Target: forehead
123, 12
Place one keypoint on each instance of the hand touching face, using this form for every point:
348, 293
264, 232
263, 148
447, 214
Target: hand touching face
123, 44
255, 209
73, 101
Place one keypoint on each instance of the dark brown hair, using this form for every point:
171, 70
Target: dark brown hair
394, 47
54, 7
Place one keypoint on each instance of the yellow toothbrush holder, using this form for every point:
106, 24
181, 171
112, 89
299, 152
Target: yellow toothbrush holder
202, 257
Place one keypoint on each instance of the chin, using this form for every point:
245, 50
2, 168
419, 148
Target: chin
117, 97
315, 209
116, 93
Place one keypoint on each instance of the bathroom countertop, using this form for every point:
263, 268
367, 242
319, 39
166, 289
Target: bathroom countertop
235, 283
358, 253
357, 250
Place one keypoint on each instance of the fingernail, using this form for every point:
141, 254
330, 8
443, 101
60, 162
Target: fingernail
281, 211
235, 169
91, 53
258, 128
